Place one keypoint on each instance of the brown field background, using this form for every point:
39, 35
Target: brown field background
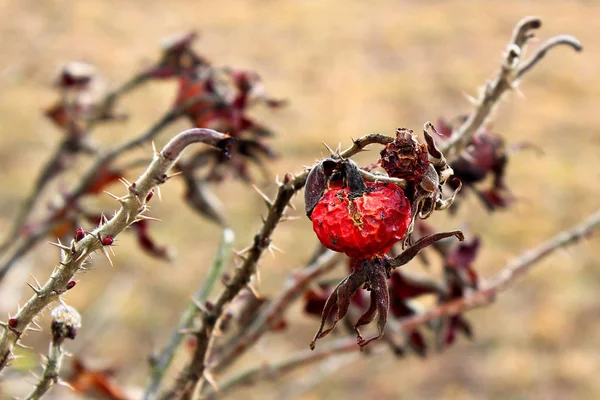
347, 68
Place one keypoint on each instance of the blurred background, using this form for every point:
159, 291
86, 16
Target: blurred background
347, 68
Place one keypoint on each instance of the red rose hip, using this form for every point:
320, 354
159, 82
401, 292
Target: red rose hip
363, 226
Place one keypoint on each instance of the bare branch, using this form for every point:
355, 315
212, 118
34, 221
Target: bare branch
297, 360
511, 70
162, 362
295, 287
560, 40
507, 275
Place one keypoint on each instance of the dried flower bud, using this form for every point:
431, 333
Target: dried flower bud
75, 75
65, 323
12, 322
79, 234
107, 240
71, 285
405, 157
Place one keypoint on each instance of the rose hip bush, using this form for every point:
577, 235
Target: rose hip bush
369, 222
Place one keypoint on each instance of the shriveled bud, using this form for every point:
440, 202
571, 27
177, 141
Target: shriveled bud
107, 240
75, 75
79, 234
65, 323
405, 157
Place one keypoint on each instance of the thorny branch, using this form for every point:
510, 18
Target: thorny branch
296, 286
162, 361
503, 280
512, 69
89, 177
195, 370
133, 207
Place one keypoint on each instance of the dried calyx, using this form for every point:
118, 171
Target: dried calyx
66, 321
364, 219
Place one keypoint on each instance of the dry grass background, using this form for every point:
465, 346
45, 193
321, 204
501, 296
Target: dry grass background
348, 68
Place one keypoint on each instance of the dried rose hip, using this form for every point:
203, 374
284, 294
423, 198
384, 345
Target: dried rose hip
365, 225
405, 157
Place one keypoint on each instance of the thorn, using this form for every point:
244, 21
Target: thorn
125, 182
253, 290
23, 346
148, 218
83, 254
36, 329
188, 331
328, 148
158, 193
258, 280
173, 175
3, 324
291, 218
156, 153
36, 291
517, 90
34, 322
114, 196
266, 198
200, 306
472, 100
35, 280
243, 251
277, 180
65, 384
62, 302
292, 206
271, 245
60, 246
105, 252
210, 379
338, 149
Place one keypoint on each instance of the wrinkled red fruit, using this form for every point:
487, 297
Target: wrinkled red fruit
364, 226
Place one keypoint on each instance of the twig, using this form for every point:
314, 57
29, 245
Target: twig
296, 360
500, 282
564, 40
509, 73
194, 371
163, 360
73, 256
295, 287
509, 274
